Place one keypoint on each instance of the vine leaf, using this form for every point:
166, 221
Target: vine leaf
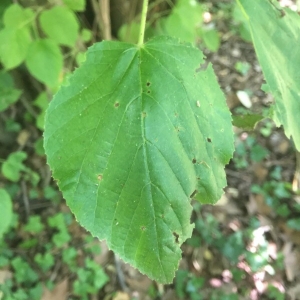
276, 35
7, 210
134, 133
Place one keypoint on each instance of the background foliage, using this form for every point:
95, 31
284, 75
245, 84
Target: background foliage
247, 245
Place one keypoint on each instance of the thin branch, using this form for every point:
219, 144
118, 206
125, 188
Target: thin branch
25, 198
102, 13
105, 9
120, 274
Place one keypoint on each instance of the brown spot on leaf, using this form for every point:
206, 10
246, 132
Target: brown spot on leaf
148, 83
193, 193
176, 235
194, 160
117, 104
143, 228
100, 177
209, 140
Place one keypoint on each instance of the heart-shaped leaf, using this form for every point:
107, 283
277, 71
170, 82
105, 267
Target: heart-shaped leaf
135, 133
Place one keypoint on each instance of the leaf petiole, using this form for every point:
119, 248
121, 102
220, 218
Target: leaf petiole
143, 22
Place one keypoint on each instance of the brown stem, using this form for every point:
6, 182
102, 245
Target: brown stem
102, 12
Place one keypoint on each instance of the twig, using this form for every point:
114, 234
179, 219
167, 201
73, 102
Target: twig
120, 274
296, 180
102, 13
55, 271
105, 9
28, 106
25, 198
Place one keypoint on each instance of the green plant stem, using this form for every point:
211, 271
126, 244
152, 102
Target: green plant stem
143, 22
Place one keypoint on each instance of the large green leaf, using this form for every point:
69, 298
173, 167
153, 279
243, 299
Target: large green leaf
276, 36
45, 61
6, 211
135, 133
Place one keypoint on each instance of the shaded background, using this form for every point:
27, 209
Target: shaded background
245, 247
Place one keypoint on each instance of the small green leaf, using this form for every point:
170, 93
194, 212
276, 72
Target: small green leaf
134, 133
246, 121
45, 261
8, 93
12, 167
86, 35
45, 61
4, 4
129, 32
258, 153
76, 5
61, 25
278, 29
34, 225
184, 20
211, 39
294, 223
80, 58
14, 46
23, 271
17, 17
6, 211
41, 102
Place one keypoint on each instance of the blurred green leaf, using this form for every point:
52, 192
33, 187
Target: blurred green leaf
8, 93
86, 35
246, 121
45, 61
23, 273
129, 33
12, 167
294, 223
34, 225
258, 153
60, 24
278, 29
242, 67
45, 261
80, 58
76, 5
183, 22
14, 46
17, 17
4, 4
6, 211
42, 103
211, 39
